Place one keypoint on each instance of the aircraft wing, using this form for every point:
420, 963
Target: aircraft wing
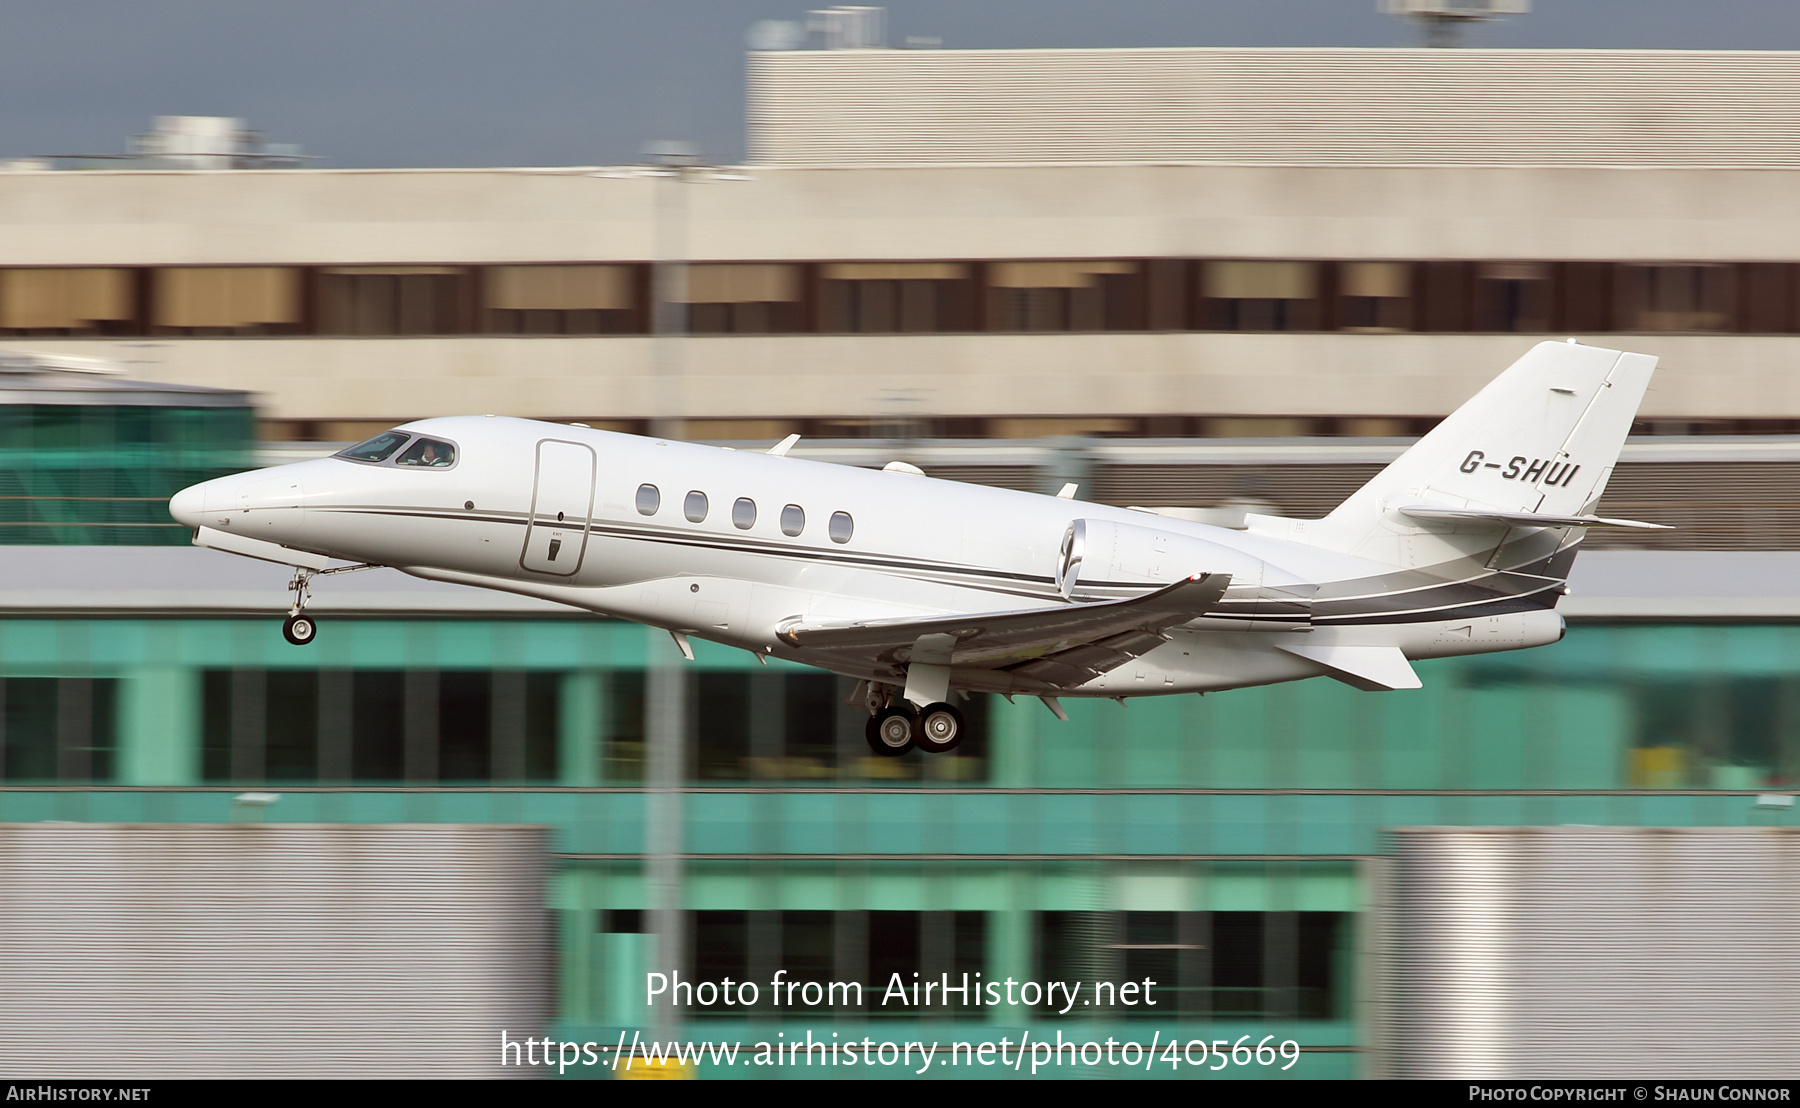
1061, 646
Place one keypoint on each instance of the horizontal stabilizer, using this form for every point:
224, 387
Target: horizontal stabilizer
1060, 646
258, 548
1369, 668
1521, 519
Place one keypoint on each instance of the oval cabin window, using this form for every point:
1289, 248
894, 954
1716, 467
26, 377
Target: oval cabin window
743, 513
793, 520
649, 499
840, 527
695, 507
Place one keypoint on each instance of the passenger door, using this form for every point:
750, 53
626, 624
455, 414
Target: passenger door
561, 500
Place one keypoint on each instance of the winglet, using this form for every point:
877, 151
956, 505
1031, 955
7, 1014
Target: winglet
781, 448
1369, 668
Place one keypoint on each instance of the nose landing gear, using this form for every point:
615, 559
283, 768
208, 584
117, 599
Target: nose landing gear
299, 628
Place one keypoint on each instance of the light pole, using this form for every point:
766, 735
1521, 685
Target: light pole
665, 683
673, 164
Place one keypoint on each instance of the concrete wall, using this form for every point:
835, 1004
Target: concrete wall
896, 376
486, 216
1275, 106
1068, 211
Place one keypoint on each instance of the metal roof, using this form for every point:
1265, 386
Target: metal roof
57, 379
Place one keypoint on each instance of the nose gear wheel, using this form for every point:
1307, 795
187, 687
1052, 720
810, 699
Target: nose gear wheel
299, 629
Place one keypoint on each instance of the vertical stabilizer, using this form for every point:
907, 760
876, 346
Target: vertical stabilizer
1542, 437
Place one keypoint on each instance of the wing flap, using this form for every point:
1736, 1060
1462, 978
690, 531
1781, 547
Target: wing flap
1108, 633
1080, 664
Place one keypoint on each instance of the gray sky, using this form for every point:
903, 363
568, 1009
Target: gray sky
561, 82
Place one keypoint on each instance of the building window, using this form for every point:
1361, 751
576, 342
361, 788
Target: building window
1232, 965
1512, 296
1675, 297
1374, 296
649, 499
457, 726
1446, 297
57, 728
561, 300
1065, 296
102, 474
841, 527
766, 725
1723, 732
226, 300
743, 513
1769, 298
894, 297
391, 300
742, 299
793, 520
1259, 296
67, 301
817, 948
1584, 297
695, 507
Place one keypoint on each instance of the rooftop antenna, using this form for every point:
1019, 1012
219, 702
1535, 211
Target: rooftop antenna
1444, 20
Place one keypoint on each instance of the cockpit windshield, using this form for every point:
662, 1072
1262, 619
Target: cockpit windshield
376, 449
428, 452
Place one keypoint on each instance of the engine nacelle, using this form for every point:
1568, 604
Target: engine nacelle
1098, 554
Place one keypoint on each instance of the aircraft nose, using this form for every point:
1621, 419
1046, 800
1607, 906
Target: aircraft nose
186, 505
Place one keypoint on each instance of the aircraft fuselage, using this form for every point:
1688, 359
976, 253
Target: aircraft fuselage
736, 547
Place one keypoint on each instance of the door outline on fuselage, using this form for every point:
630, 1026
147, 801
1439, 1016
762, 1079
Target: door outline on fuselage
558, 532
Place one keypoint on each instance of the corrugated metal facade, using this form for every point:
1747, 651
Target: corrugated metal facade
1276, 106
1588, 952
269, 950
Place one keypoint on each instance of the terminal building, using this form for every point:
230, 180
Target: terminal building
1215, 279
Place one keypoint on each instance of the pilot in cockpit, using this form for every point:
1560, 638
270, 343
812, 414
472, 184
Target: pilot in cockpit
428, 452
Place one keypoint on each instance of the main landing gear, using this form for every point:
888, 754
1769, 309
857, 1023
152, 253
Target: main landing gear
897, 726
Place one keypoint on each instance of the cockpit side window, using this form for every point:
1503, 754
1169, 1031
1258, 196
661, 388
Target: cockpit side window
377, 449
428, 452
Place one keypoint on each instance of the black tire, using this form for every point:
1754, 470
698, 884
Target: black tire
940, 729
299, 630
891, 732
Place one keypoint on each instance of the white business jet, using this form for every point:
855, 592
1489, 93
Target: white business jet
921, 588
